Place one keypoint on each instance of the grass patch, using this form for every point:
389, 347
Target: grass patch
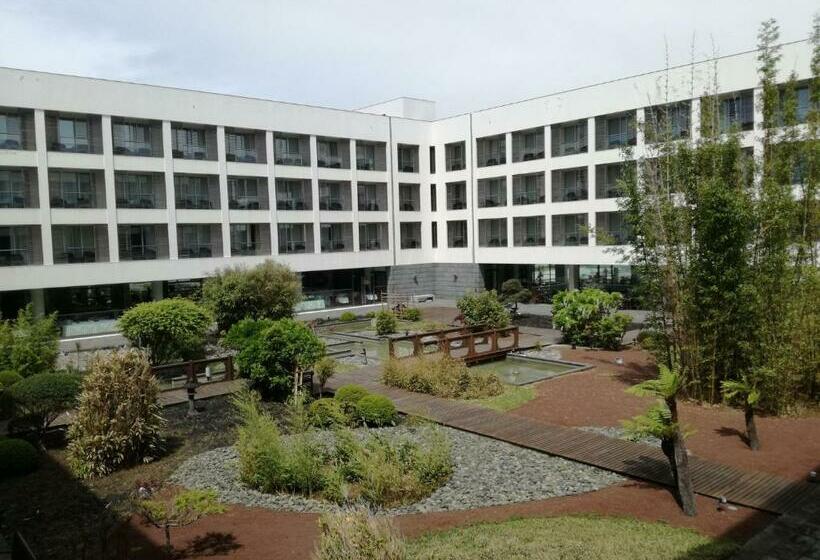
512, 397
569, 537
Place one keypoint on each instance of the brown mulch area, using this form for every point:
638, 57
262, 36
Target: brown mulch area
790, 447
247, 533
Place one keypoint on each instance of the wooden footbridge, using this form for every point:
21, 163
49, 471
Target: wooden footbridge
472, 345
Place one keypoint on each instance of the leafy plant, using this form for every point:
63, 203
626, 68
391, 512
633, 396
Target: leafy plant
17, 457
440, 375
119, 419
267, 291
7, 379
746, 391
358, 535
347, 316
386, 322
30, 344
277, 355
324, 369
483, 308
169, 329
513, 293
587, 317
178, 510
349, 396
41, 398
327, 413
376, 410
410, 314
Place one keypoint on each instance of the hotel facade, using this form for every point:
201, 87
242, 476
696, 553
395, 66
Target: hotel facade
113, 193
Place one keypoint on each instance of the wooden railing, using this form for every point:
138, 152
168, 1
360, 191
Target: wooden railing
460, 342
194, 370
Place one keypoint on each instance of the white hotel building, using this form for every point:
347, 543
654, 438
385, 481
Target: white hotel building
113, 193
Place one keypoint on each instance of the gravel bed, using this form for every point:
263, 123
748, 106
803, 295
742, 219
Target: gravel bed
487, 472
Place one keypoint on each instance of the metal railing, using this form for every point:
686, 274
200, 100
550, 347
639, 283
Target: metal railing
200, 251
247, 155
136, 148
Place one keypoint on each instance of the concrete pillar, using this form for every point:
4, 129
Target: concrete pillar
38, 302
42, 186
110, 190
223, 191
170, 193
573, 272
157, 290
271, 174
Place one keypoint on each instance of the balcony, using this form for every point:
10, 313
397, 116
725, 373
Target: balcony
569, 230
293, 194
611, 228
528, 145
454, 155
492, 150
529, 231
76, 189
408, 158
335, 195
409, 197
492, 232
410, 235
199, 241
735, 111
137, 137
333, 153
248, 193
193, 142
615, 131
196, 192
372, 197
291, 149
16, 129
295, 238
79, 244
246, 146
492, 192
20, 246
18, 188
74, 133
457, 196
250, 239
373, 236
370, 156
667, 122
139, 190
336, 237
143, 242
607, 177
569, 185
528, 189
569, 138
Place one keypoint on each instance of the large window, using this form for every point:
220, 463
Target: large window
193, 192
433, 198
73, 135
409, 199
241, 146
336, 237
334, 195
250, 239
372, 197
457, 233
492, 192
615, 131
570, 230
410, 234
141, 242
247, 193
569, 138
291, 149
370, 156
189, 143
17, 246
528, 189
569, 184
528, 144
373, 236
736, 111
139, 190
15, 191
455, 156
611, 228
528, 231
492, 232
199, 241
12, 131
333, 153
668, 122
607, 177
78, 244
295, 238
457, 196
134, 138
408, 158
492, 150
293, 194
74, 189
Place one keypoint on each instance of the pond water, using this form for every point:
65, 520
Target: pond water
515, 371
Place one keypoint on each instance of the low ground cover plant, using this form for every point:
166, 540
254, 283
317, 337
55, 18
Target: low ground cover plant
410, 314
347, 316
442, 376
343, 469
17, 457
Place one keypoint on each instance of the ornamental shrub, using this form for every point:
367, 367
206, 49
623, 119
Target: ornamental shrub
347, 316
267, 291
40, 399
119, 420
385, 322
440, 375
273, 358
324, 370
17, 457
327, 413
410, 314
588, 317
30, 344
169, 329
376, 410
483, 308
358, 535
8, 378
244, 331
349, 396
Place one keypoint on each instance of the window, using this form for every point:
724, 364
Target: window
611, 228
370, 156
434, 233
433, 198
736, 111
334, 195
193, 192
11, 132
76, 244
492, 192
668, 122
16, 246
72, 189
607, 177
291, 149
569, 184
240, 146
409, 200
189, 143
796, 101
528, 189
373, 237
569, 138
372, 197
138, 242
492, 150
293, 194
528, 144
457, 234
408, 158
246, 193
295, 238
492, 233
455, 155
197, 241
250, 239
73, 135
529, 231
133, 138
410, 234
457, 196
615, 131
330, 152
14, 191
432, 159
336, 237
139, 190
570, 230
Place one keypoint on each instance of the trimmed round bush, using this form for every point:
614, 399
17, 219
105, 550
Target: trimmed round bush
41, 398
17, 457
376, 410
350, 394
385, 322
411, 314
8, 378
327, 413
347, 316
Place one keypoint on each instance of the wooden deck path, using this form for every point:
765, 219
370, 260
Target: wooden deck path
753, 489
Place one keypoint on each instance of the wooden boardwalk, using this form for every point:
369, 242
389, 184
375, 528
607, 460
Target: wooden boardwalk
752, 489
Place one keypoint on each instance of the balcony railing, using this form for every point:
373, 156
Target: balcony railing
245, 203
297, 246
143, 201
195, 204
134, 148
71, 256
247, 155
11, 141
249, 248
370, 205
366, 164
74, 202
291, 158
200, 250
190, 151
496, 157
16, 257
334, 162
292, 205
146, 252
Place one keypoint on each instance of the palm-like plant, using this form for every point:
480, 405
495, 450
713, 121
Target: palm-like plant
746, 391
661, 421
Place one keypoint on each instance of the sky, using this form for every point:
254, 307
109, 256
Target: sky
463, 54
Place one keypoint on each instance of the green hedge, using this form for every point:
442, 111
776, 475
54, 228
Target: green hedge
17, 457
376, 410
